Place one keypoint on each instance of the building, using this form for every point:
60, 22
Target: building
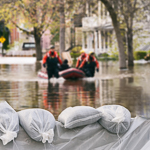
97, 29
98, 33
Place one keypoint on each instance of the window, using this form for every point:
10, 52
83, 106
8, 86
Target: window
28, 46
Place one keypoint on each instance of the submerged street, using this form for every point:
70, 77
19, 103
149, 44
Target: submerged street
22, 88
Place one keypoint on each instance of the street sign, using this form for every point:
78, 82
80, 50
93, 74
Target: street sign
2, 39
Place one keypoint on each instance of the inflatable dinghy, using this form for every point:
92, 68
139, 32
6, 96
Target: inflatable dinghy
71, 73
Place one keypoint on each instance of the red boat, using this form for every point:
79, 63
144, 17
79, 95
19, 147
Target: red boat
71, 73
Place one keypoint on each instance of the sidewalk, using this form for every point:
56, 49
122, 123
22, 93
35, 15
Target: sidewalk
17, 60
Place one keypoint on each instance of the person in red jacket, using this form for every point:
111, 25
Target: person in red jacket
89, 64
81, 58
50, 61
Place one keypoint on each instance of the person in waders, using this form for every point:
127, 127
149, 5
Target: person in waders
51, 61
81, 58
89, 64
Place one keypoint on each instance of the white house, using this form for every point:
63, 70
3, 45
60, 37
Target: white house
98, 33
96, 29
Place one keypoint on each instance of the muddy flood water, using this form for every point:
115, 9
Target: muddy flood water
22, 88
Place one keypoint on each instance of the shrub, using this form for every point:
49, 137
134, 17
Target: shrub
148, 52
75, 52
76, 49
114, 56
34, 55
103, 55
74, 55
139, 55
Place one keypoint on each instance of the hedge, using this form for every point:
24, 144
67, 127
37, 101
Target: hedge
139, 55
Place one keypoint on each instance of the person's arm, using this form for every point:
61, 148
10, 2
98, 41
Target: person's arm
85, 55
44, 60
82, 64
57, 56
78, 62
59, 60
97, 65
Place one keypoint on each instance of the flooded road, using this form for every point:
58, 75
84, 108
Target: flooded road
22, 89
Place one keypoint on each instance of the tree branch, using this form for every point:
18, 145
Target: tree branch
27, 32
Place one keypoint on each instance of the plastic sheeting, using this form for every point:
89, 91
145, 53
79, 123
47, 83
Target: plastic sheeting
90, 137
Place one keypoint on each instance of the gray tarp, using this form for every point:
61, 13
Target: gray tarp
90, 137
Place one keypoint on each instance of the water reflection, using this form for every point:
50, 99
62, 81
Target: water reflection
21, 88
17, 71
57, 97
51, 99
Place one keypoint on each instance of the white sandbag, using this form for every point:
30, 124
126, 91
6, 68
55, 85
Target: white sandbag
115, 118
9, 123
78, 116
38, 123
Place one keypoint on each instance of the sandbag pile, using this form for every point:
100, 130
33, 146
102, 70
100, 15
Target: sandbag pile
40, 124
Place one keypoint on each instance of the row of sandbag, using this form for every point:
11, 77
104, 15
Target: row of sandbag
40, 124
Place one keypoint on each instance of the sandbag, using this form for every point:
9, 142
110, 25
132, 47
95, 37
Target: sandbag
78, 116
38, 123
115, 118
9, 123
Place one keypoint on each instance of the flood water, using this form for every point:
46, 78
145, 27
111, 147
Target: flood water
22, 89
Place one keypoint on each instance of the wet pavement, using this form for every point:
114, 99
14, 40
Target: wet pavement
22, 89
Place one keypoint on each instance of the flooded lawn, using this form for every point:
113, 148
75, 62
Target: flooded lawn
22, 89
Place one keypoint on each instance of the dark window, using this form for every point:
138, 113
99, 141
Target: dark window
28, 46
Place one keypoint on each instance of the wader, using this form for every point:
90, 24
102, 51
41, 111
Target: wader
89, 69
52, 67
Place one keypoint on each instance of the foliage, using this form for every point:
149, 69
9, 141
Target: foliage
34, 55
148, 52
32, 17
139, 55
74, 55
75, 52
76, 49
5, 33
55, 33
114, 53
104, 55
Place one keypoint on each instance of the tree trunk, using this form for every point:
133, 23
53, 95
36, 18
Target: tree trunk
122, 57
130, 46
122, 60
37, 37
62, 28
